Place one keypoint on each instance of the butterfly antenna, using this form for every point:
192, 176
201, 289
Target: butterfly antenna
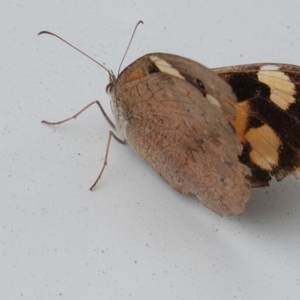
57, 36
135, 28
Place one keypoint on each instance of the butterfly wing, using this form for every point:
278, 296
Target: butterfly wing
268, 118
185, 137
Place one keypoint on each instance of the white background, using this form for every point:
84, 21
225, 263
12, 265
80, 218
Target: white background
133, 237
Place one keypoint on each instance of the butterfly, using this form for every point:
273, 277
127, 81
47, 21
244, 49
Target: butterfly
214, 133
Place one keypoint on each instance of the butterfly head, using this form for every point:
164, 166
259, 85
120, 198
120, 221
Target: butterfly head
112, 82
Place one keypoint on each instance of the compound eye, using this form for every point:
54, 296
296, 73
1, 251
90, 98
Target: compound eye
108, 88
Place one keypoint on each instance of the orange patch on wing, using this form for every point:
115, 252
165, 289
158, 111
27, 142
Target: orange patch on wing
242, 119
136, 74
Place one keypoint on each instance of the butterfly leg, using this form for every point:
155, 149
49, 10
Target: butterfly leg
111, 134
82, 110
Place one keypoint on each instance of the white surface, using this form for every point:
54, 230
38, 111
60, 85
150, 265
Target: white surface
133, 237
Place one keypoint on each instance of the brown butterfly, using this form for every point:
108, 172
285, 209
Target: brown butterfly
212, 133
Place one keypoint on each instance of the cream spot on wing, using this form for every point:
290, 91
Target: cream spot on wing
165, 67
213, 101
265, 146
270, 68
281, 88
